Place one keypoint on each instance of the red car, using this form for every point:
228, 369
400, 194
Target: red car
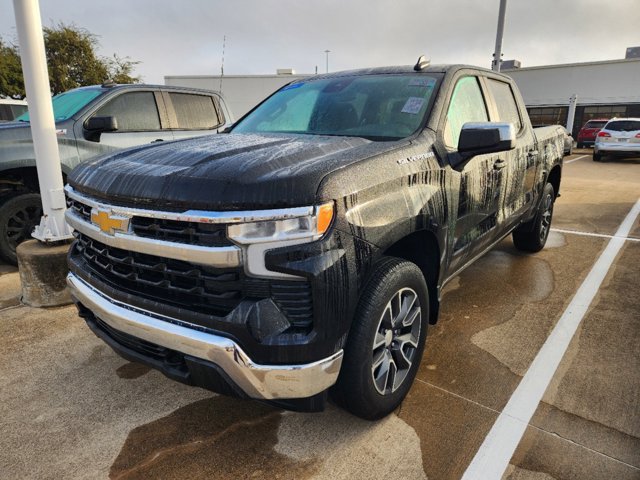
588, 132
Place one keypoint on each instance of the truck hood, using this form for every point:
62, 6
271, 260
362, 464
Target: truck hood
222, 172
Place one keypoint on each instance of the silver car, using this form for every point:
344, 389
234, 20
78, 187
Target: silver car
620, 137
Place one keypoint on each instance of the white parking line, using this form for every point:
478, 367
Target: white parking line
492, 458
590, 234
575, 159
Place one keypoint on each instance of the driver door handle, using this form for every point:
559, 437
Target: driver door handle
499, 164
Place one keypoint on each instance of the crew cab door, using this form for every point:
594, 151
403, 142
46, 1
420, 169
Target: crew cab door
480, 179
520, 167
139, 116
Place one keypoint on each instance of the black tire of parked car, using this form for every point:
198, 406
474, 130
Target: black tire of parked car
19, 215
532, 236
359, 385
579, 145
597, 157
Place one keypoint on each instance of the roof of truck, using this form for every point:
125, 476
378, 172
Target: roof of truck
443, 68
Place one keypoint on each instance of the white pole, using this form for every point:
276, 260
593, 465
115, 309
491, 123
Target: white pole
497, 54
43, 129
573, 101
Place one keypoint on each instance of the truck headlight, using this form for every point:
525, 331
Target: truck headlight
257, 237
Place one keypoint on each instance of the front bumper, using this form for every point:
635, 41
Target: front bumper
262, 382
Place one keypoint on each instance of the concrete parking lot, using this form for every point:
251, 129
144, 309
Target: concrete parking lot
71, 408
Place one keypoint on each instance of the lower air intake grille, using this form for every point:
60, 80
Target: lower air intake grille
192, 287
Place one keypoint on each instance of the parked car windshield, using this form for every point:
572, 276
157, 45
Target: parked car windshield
624, 125
378, 107
67, 104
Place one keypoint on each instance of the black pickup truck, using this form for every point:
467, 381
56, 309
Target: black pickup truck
305, 250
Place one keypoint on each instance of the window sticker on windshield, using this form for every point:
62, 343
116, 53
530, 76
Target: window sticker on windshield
413, 105
422, 82
292, 86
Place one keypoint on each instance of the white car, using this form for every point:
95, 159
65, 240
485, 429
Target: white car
620, 137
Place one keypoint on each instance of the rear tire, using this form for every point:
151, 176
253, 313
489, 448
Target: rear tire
532, 236
580, 145
386, 341
18, 217
597, 157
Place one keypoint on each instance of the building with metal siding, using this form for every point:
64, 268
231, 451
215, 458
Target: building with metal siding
603, 89
241, 92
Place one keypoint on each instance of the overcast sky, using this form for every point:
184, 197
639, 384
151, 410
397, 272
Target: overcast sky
185, 37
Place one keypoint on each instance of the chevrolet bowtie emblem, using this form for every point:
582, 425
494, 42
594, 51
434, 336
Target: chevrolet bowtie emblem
108, 222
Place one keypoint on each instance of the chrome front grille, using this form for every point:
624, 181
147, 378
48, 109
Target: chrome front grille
183, 260
191, 287
192, 233
194, 287
79, 208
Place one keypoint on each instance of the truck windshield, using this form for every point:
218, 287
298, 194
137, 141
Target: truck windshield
378, 107
67, 104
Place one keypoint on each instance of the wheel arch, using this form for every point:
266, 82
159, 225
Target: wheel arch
554, 179
423, 249
19, 179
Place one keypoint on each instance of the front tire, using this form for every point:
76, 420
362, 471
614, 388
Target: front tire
532, 236
386, 341
18, 217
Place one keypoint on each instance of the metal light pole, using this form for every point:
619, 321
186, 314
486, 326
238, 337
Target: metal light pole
497, 54
571, 114
43, 128
327, 52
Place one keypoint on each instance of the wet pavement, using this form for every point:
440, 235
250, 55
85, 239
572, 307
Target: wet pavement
71, 408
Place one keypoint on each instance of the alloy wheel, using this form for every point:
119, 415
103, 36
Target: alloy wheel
545, 223
396, 341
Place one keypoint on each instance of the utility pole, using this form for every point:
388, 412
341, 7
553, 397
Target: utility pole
571, 114
497, 54
327, 52
52, 226
224, 43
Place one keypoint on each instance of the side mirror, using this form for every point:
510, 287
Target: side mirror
101, 124
477, 138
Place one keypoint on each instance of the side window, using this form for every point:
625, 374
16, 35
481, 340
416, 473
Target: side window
505, 102
134, 111
194, 112
5, 112
467, 105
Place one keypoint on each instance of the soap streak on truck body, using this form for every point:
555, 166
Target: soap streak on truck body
312, 242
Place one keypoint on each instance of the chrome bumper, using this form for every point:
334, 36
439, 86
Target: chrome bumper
266, 382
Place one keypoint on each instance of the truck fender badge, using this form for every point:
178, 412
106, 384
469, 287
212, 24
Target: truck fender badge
415, 158
109, 223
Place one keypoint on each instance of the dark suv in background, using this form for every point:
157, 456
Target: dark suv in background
588, 132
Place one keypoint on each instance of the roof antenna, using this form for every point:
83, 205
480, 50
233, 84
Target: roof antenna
422, 63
